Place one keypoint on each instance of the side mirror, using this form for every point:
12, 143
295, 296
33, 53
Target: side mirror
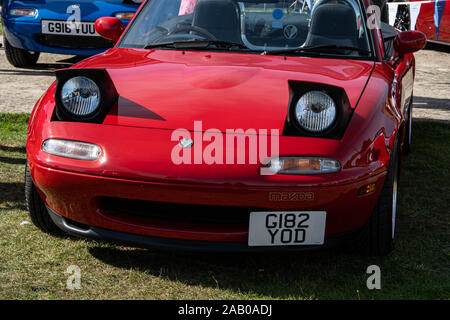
409, 42
109, 28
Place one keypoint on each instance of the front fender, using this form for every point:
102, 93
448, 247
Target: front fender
376, 120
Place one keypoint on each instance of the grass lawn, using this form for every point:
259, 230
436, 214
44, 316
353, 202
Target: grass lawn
33, 264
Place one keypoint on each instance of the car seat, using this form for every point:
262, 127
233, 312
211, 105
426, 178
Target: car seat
219, 17
333, 24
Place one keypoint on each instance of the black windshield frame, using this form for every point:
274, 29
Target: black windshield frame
371, 57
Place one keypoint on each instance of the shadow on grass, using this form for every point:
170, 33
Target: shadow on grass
13, 149
273, 275
13, 193
9, 160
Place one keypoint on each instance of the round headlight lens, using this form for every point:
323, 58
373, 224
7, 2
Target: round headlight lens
316, 111
81, 96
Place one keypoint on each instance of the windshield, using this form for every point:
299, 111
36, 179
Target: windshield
331, 26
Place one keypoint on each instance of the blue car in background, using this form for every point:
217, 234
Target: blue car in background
56, 26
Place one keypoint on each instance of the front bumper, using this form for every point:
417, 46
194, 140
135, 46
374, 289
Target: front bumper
79, 198
26, 35
134, 240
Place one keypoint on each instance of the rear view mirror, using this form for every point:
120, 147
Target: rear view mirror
409, 42
109, 28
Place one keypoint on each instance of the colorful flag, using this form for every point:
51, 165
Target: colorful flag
393, 8
439, 6
414, 13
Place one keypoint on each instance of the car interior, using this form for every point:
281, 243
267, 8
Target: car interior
388, 32
329, 22
219, 17
333, 23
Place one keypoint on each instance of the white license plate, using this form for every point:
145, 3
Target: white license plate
287, 228
86, 29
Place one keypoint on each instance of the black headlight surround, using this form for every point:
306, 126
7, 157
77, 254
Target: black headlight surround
108, 94
344, 111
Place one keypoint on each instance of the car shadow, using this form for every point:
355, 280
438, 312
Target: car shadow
437, 47
43, 69
13, 194
431, 109
13, 160
60, 64
13, 149
26, 72
272, 275
432, 103
9, 160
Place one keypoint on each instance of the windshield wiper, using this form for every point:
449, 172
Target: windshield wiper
315, 48
196, 44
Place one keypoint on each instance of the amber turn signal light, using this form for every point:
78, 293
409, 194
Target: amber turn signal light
367, 189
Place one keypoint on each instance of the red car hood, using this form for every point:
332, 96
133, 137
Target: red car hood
171, 89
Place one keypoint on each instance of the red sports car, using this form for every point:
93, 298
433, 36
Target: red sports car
229, 125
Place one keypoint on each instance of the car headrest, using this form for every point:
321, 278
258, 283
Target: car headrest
333, 24
219, 17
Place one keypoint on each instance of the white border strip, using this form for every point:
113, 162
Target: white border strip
411, 2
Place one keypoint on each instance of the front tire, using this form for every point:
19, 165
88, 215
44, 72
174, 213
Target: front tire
37, 209
20, 58
377, 237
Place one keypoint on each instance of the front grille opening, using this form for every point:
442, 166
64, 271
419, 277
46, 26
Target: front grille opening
73, 42
162, 211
